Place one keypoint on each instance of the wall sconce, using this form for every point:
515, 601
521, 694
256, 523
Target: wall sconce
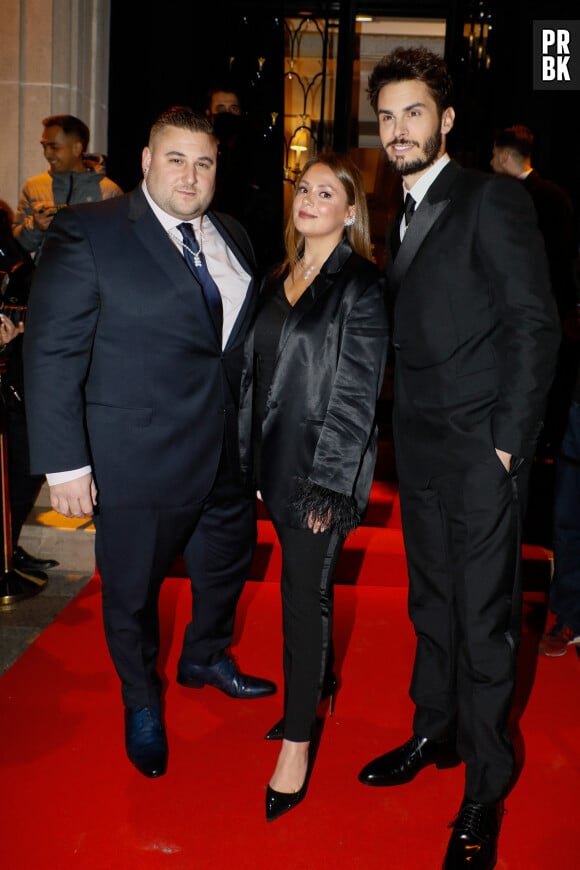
299, 145
305, 89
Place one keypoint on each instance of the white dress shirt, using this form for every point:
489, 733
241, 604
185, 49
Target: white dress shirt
423, 184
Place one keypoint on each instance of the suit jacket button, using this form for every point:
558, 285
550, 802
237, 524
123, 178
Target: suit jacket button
396, 346
272, 404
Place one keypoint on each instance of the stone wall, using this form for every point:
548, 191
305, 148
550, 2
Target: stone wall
54, 59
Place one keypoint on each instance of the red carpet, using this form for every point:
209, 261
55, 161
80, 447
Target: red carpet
70, 799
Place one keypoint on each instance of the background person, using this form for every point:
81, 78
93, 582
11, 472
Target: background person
243, 180
16, 270
8, 331
73, 176
512, 155
314, 363
223, 98
563, 618
475, 336
235, 188
133, 352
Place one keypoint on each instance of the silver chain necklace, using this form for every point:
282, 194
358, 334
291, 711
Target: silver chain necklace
180, 242
307, 272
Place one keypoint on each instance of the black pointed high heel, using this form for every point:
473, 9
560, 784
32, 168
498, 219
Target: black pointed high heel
276, 732
280, 802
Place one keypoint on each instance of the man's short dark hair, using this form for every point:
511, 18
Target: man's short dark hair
71, 126
183, 117
518, 138
420, 64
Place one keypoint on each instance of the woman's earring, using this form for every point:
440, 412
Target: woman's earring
350, 221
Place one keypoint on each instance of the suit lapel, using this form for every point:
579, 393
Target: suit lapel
232, 242
318, 288
423, 219
248, 304
160, 247
244, 314
157, 243
426, 215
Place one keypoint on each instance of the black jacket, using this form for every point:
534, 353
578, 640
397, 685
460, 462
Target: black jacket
475, 327
319, 431
123, 367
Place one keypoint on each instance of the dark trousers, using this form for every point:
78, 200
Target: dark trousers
308, 563
565, 588
135, 550
462, 540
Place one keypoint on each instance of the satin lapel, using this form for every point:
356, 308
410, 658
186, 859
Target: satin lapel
319, 287
302, 307
423, 219
427, 214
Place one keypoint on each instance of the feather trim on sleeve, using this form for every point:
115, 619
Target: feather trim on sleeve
311, 498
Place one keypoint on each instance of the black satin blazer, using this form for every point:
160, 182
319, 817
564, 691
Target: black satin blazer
319, 424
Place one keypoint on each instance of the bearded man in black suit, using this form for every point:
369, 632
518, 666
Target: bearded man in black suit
475, 336
132, 363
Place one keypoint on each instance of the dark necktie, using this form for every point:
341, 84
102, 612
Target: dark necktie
409, 208
405, 214
196, 261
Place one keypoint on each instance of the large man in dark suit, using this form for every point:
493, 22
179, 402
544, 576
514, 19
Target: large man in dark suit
132, 381
475, 337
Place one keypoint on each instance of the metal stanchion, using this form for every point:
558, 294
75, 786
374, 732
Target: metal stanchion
14, 585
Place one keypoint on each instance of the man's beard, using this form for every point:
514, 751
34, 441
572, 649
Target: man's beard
430, 151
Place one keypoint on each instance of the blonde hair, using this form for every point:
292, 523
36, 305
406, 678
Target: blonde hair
358, 234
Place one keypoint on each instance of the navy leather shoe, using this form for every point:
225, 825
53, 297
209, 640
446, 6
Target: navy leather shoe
473, 843
224, 676
401, 765
145, 740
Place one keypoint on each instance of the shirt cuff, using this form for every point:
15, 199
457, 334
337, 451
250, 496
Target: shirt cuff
65, 476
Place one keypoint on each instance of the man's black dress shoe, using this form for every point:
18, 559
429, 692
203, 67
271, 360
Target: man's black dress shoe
145, 740
473, 843
224, 676
401, 765
23, 561
276, 732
